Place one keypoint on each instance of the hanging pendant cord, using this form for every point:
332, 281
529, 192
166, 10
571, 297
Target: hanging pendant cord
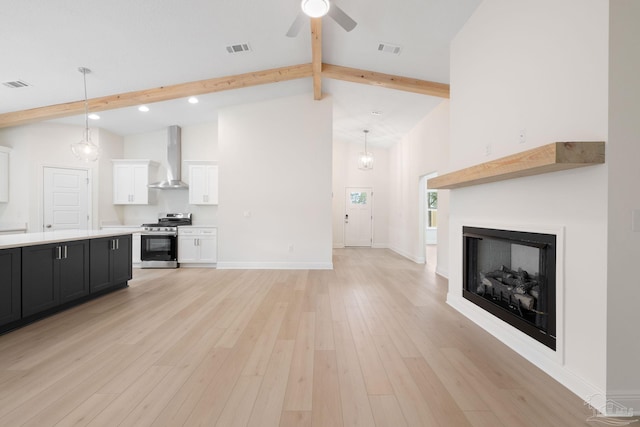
84, 72
365, 142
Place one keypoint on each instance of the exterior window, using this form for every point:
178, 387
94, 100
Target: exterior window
432, 208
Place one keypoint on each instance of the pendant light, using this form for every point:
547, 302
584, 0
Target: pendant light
365, 161
315, 8
85, 149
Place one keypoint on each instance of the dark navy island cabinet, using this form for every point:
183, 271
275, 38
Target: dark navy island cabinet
10, 295
110, 262
54, 274
42, 279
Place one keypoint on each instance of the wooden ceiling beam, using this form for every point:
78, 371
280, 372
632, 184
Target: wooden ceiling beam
316, 57
317, 70
389, 81
163, 93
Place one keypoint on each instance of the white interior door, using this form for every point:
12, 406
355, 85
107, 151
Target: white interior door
357, 219
66, 199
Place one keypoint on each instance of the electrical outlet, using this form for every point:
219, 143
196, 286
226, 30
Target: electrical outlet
522, 136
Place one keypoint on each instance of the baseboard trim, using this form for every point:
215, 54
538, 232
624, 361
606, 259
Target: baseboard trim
622, 403
442, 272
275, 265
417, 260
197, 265
373, 246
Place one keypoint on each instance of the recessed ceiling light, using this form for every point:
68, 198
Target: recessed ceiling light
94, 116
376, 113
193, 100
143, 108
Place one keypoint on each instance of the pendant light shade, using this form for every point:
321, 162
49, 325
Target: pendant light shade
365, 159
85, 149
315, 8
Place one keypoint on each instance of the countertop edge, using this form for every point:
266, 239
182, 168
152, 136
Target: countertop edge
13, 241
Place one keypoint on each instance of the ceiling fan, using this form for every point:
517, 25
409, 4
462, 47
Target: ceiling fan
317, 9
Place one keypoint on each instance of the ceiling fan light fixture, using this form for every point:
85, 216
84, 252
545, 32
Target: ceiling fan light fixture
85, 149
315, 8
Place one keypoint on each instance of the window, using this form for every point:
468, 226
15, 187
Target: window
432, 208
358, 198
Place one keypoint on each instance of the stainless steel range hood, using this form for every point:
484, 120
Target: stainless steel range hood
174, 147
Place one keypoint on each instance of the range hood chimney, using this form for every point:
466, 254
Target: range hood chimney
174, 146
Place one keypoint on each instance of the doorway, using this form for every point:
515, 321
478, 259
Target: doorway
428, 219
65, 199
358, 218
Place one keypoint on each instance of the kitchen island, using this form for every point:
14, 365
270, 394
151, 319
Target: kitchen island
44, 273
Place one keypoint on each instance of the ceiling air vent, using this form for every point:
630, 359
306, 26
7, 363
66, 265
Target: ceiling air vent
16, 84
389, 48
239, 48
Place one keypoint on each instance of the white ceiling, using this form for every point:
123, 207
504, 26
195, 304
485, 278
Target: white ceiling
135, 45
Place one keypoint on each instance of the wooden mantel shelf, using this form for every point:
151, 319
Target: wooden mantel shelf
552, 157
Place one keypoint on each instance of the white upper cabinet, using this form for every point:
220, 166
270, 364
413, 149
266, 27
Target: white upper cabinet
203, 183
4, 174
130, 180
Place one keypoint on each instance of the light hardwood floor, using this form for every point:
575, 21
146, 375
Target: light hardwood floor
371, 343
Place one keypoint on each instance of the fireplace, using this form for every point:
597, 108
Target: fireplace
511, 274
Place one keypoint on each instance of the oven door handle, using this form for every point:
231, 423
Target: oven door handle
160, 233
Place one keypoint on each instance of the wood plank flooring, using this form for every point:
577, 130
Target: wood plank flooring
370, 343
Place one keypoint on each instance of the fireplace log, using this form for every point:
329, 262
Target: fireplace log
495, 287
535, 291
526, 301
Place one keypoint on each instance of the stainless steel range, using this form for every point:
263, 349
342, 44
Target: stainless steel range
159, 241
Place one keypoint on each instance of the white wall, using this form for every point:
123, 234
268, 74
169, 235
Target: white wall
540, 66
48, 144
275, 167
423, 151
623, 153
199, 142
346, 174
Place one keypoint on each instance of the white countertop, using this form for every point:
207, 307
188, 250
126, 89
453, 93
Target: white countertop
132, 228
32, 239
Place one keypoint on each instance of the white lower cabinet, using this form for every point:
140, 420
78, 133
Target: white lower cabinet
197, 246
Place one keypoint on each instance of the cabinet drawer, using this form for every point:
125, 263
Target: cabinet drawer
197, 231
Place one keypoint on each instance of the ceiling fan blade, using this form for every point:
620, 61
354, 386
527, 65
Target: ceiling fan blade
342, 18
297, 25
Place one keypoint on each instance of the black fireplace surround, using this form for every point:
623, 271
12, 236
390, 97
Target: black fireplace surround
512, 275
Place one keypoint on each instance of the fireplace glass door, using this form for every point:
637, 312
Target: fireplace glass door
511, 274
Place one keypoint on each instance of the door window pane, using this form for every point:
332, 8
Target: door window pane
359, 198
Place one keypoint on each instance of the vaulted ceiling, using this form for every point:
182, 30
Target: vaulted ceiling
151, 46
